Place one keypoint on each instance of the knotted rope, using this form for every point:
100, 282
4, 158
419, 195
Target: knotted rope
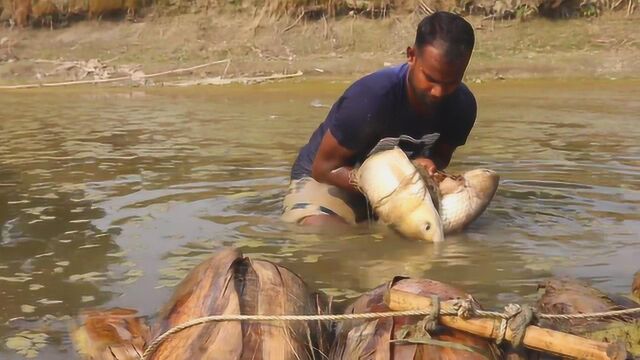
430, 322
515, 317
464, 308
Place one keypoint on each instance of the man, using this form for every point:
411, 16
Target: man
420, 106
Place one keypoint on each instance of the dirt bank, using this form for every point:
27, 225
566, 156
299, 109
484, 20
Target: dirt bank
607, 46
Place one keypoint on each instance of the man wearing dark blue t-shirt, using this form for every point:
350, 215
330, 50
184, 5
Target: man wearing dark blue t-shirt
420, 106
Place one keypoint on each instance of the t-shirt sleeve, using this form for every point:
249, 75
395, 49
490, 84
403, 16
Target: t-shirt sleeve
461, 118
355, 120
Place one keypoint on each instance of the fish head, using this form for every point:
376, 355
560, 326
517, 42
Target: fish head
483, 182
417, 218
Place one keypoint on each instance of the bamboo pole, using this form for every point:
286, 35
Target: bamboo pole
536, 338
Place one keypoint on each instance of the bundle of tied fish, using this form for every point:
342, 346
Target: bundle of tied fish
421, 206
227, 283
230, 284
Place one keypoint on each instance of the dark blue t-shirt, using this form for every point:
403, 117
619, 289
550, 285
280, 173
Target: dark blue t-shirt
376, 107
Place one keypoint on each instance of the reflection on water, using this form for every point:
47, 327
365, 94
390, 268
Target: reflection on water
107, 198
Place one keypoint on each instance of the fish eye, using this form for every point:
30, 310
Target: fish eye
427, 227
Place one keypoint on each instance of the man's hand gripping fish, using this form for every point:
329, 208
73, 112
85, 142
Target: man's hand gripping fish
418, 206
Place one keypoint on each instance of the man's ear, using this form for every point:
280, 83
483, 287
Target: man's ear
411, 55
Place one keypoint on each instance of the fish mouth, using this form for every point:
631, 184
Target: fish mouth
438, 237
484, 182
432, 232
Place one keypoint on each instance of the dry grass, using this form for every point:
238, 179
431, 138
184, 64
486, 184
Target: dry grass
261, 10
491, 9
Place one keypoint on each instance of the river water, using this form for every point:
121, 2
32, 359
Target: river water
108, 197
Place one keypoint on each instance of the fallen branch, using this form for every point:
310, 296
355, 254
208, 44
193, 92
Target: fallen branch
187, 69
47, 61
80, 82
244, 80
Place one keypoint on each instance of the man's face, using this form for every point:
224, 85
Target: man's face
431, 76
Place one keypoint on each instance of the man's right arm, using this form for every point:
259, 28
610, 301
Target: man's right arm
353, 127
330, 164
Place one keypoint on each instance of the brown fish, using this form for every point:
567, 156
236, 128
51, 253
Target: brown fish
376, 339
229, 284
111, 334
570, 296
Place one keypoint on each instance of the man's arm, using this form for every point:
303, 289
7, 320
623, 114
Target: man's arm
330, 163
441, 154
439, 159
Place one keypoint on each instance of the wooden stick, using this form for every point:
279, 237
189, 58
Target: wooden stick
536, 338
187, 69
80, 82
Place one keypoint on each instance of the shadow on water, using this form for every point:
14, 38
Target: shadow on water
111, 200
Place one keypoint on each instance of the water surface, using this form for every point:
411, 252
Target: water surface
108, 197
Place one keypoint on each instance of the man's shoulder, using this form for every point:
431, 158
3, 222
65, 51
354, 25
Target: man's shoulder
386, 83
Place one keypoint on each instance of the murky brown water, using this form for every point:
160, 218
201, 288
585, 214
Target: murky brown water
108, 197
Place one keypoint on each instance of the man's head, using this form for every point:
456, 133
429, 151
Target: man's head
439, 57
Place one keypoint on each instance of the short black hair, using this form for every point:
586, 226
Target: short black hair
450, 30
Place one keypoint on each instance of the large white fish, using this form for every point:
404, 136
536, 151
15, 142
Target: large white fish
399, 195
464, 198
418, 206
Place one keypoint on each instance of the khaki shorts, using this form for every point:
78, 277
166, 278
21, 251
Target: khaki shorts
307, 197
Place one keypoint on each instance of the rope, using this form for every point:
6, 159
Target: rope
430, 322
595, 315
463, 308
405, 182
517, 319
518, 325
373, 206
216, 318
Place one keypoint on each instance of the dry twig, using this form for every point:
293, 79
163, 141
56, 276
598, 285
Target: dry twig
122, 78
243, 80
302, 12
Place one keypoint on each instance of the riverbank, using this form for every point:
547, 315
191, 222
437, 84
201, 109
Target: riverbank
606, 46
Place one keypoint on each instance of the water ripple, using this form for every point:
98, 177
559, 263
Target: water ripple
111, 201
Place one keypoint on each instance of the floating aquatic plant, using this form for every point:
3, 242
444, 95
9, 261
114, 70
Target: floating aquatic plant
27, 343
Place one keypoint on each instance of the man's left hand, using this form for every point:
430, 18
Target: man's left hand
427, 164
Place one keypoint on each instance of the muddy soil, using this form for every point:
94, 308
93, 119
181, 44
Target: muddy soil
607, 46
